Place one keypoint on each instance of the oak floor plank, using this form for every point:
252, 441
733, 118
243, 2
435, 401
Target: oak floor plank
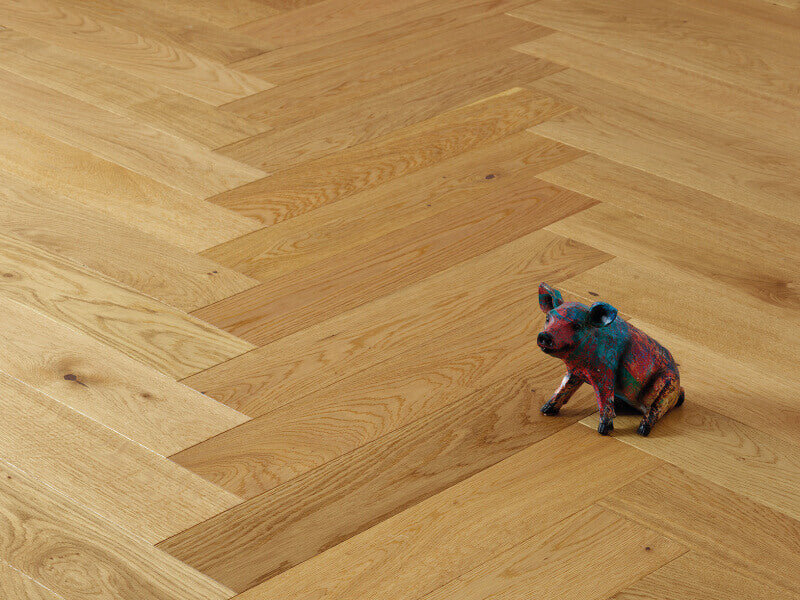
288, 303
323, 133
696, 577
383, 70
79, 555
116, 391
171, 160
225, 14
319, 356
670, 84
296, 437
321, 19
733, 530
184, 32
579, 546
14, 585
117, 91
490, 171
64, 227
302, 518
148, 58
447, 535
722, 450
120, 480
395, 30
365, 166
677, 144
151, 332
734, 49
731, 236
686, 305
173, 216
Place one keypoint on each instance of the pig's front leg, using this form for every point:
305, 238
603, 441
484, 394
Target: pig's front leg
569, 384
604, 388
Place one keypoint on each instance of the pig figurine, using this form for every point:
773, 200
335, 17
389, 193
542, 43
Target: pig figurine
616, 359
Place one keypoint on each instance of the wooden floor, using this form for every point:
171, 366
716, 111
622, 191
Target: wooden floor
268, 297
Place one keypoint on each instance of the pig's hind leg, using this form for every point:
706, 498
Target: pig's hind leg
663, 396
569, 384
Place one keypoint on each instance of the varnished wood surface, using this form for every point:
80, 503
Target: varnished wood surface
268, 297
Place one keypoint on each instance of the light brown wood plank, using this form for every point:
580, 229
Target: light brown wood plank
365, 119
677, 144
149, 265
173, 216
117, 91
224, 14
167, 65
302, 517
116, 391
670, 84
733, 530
383, 70
183, 32
365, 166
14, 585
687, 305
491, 171
696, 577
179, 163
321, 19
80, 556
579, 546
451, 533
344, 281
319, 356
118, 479
299, 436
722, 450
151, 332
737, 50
395, 30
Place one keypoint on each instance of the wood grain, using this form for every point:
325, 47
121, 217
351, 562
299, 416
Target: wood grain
405, 256
117, 91
319, 356
15, 585
733, 530
693, 577
670, 84
574, 544
321, 134
173, 161
175, 217
151, 332
78, 555
735, 49
224, 14
145, 57
427, 545
722, 450
365, 166
675, 144
103, 471
489, 172
149, 265
302, 518
137, 401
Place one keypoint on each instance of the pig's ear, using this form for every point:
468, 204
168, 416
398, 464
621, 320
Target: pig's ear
549, 298
601, 314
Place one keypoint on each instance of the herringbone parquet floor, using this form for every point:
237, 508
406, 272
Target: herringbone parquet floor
268, 297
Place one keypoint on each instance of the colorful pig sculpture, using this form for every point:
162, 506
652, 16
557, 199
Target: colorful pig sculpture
618, 360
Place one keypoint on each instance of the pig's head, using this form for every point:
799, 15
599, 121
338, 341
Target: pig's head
567, 324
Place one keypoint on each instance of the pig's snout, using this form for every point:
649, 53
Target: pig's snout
545, 341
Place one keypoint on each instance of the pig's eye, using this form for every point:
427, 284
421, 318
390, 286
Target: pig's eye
547, 319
